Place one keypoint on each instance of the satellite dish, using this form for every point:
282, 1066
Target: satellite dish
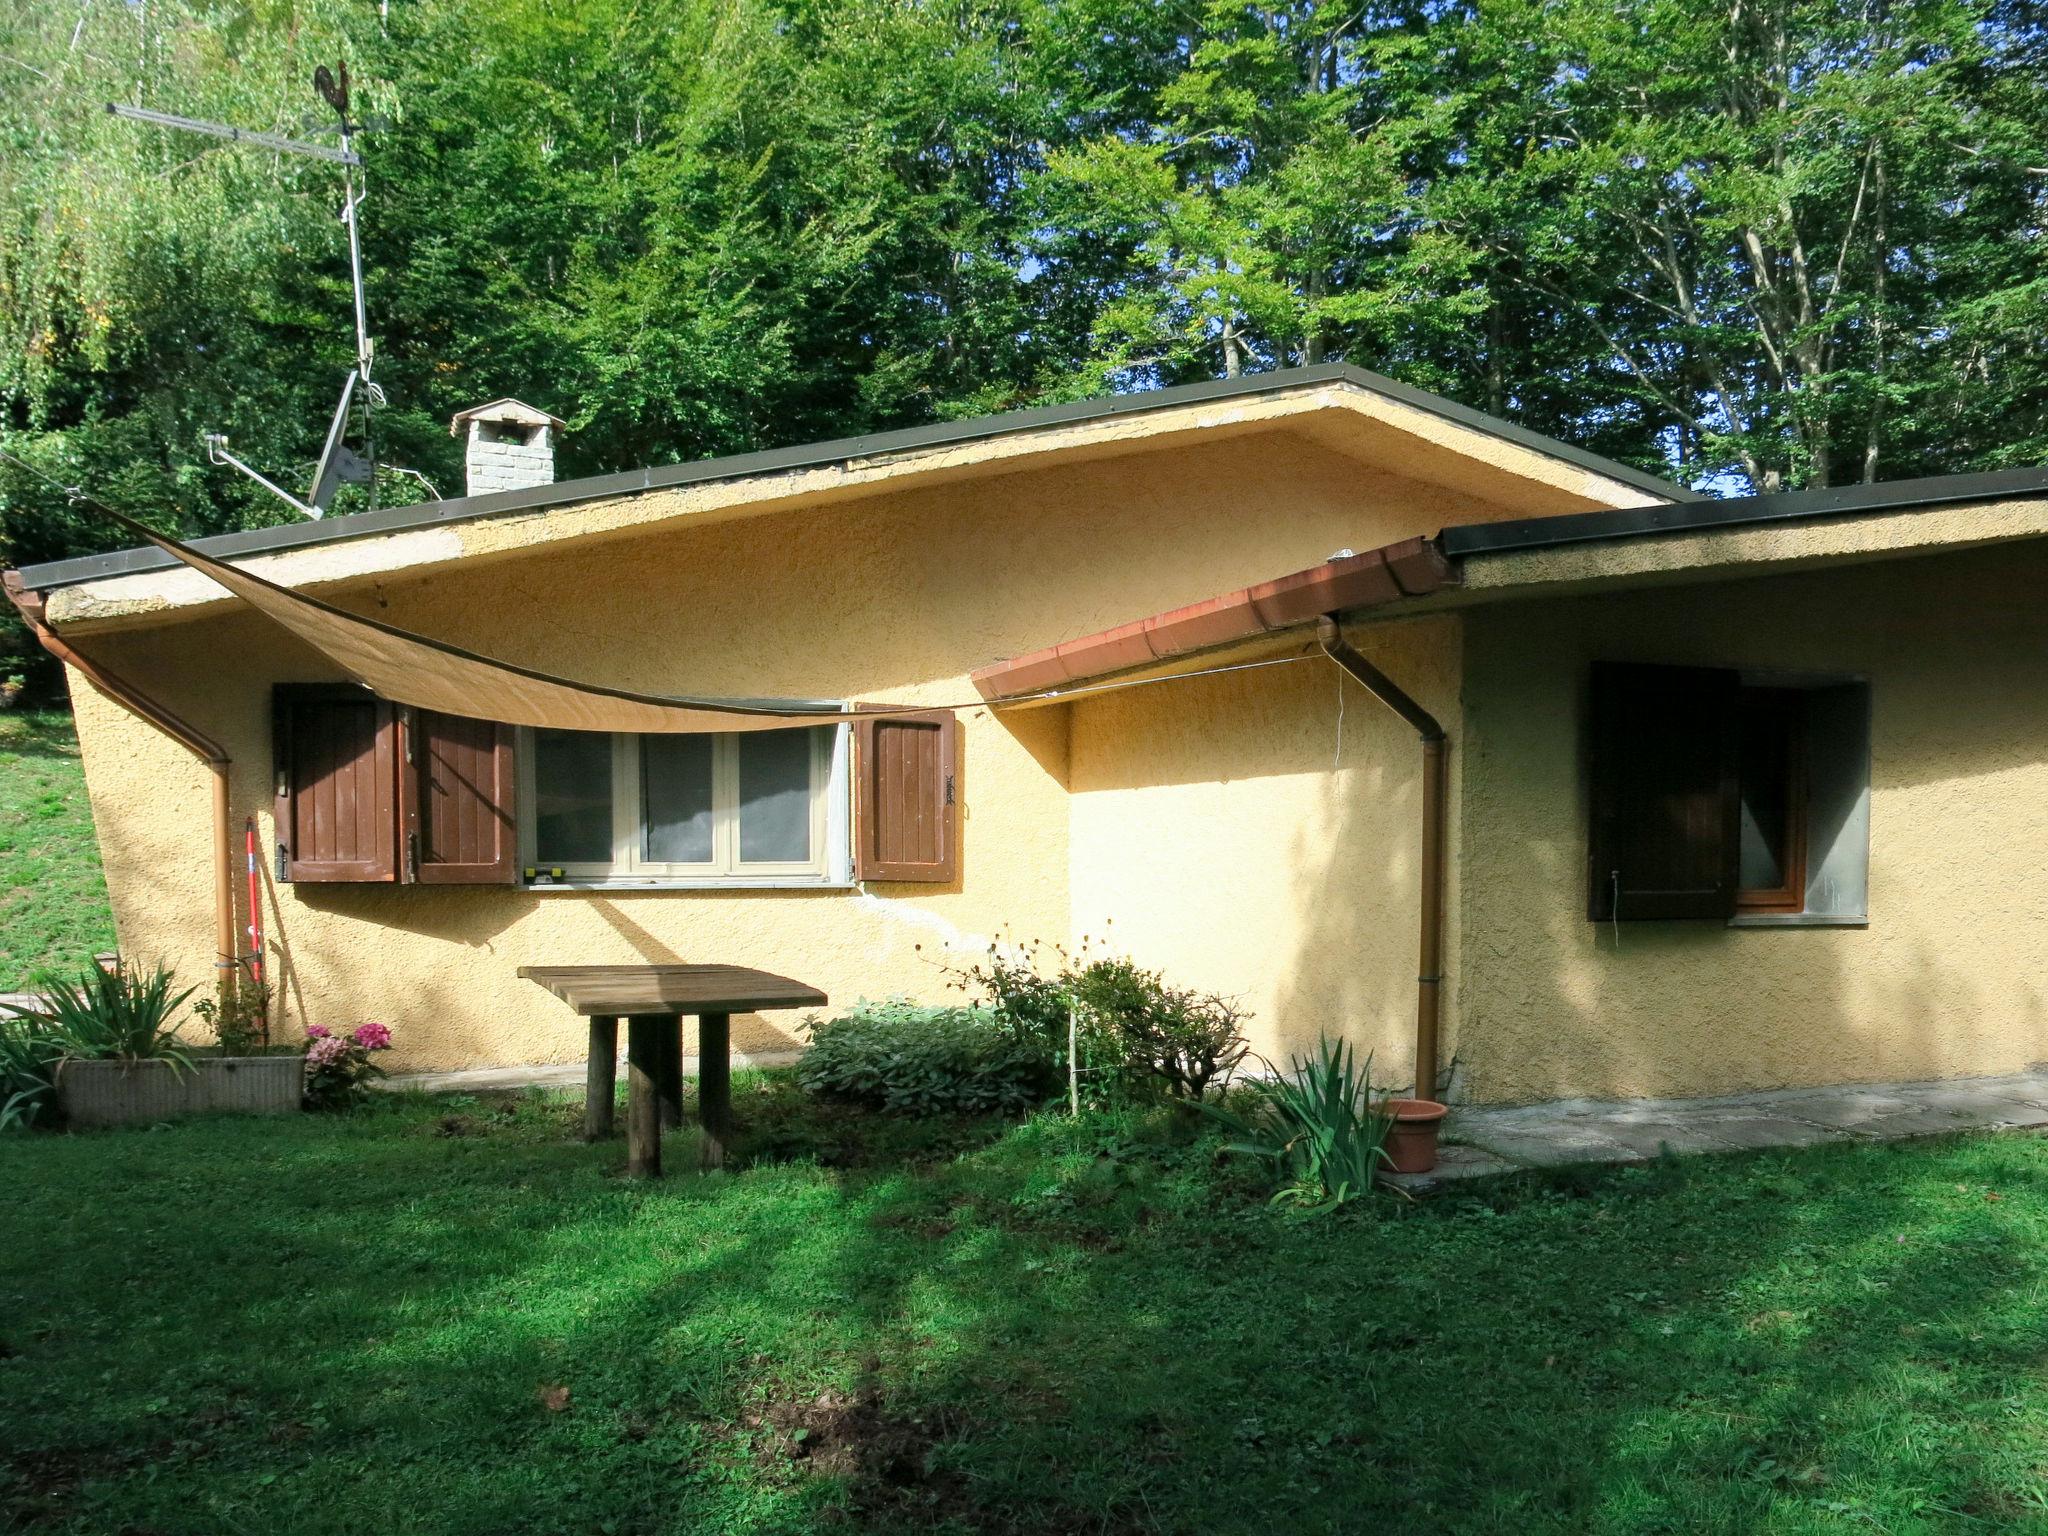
339, 464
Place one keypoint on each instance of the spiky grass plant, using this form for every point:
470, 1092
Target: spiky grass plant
1318, 1123
116, 1015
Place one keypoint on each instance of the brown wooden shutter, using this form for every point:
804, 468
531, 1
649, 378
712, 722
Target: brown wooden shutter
905, 810
456, 800
336, 783
1665, 822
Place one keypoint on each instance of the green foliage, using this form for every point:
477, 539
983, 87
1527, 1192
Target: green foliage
116, 1015
30, 1049
1129, 1034
908, 1059
241, 1021
1319, 1125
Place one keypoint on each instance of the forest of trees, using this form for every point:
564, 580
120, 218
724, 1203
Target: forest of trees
1741, 242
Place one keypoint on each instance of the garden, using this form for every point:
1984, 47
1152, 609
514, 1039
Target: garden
1027, 1264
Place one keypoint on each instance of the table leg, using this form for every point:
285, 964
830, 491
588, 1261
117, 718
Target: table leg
672, 1074
643, 1094
600, 1079
714, 1084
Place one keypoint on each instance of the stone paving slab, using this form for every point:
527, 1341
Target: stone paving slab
1576, 1131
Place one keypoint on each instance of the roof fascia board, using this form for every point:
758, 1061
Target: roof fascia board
881, 445
1779, 506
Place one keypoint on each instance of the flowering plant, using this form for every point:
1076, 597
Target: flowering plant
338, 1067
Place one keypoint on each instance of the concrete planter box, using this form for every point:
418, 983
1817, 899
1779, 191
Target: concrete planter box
94, 1093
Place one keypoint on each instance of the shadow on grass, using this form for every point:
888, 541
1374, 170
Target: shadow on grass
449, 1316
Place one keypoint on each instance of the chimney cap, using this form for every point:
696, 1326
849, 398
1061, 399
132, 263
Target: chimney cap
506, 409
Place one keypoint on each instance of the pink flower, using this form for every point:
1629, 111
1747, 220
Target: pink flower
373, 1037
326, 1052
317, 1031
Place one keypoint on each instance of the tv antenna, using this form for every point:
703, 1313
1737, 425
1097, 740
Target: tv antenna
339, 464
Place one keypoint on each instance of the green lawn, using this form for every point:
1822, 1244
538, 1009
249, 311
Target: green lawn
450, 1316
53, 899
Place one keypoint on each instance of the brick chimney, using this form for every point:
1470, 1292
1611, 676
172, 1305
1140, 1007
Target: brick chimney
511, 446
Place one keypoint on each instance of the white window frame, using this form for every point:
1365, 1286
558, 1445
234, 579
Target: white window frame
830, 864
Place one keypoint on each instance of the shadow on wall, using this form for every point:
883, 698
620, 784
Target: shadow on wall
1948, 978
1224, 834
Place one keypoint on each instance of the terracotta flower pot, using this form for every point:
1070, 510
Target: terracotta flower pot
1411, 1142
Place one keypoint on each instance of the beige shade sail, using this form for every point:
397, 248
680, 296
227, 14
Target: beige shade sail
431, 674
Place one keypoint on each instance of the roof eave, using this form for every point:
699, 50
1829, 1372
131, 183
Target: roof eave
388, 520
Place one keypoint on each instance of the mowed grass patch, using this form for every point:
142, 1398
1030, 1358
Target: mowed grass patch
53, 896
452, 1316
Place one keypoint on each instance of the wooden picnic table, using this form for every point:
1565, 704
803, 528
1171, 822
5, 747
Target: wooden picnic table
654, 999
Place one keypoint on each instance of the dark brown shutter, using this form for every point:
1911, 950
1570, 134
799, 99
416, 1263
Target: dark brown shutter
456, 800
905, 810
336, 783
1665, 808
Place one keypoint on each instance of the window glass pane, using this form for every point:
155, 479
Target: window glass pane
675, 799
572, 793
775, 797
1767, 808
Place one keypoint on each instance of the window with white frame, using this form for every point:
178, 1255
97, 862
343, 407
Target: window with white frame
737, 807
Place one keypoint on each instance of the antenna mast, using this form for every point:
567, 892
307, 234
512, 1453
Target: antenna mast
339, 464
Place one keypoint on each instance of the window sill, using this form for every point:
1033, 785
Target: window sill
765, 883
1799, 920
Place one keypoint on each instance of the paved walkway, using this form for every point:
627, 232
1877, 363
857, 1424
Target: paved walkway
1493, 1141
564, 1075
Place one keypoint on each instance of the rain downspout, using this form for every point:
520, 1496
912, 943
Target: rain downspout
204, 747
1429, 980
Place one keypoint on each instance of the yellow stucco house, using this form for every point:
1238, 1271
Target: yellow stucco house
1731, 794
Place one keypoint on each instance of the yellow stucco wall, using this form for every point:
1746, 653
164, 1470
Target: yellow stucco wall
897, 596
1235, 833
1950, 977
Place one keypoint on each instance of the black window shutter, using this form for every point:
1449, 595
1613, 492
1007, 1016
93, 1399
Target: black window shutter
1665, 814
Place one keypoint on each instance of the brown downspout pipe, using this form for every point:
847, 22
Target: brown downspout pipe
1429, 981
204, 747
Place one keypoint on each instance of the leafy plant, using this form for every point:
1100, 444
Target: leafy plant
338, 1067
906, 1058
240, 1021
1318, 1123
29, 1052
1170, 1038
1113, 1030
118, 1014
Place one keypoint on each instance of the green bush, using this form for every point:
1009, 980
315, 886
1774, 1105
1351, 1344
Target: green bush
910, 1059
1133, 1036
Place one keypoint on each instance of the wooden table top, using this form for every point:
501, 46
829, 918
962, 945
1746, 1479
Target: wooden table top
621, 991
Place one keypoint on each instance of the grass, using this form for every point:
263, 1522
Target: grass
53, 898
450, 1316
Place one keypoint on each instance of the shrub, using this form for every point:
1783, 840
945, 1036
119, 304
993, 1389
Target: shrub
910, 1059
116, 1015
1319, 1124
339, 1068
241, 1022
1131, 1036
1165, 1038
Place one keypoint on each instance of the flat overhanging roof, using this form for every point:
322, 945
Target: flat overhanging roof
1498, 559
841, 451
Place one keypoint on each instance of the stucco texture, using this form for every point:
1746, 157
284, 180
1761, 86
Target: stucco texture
1258, 834
895, 596
1951, 975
